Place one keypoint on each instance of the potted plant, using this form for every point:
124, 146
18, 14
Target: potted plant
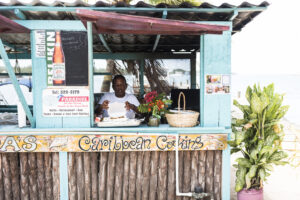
258, 136
155, 105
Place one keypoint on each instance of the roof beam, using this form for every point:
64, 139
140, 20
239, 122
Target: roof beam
234, 14
164, 16
19, 14
131, 9
104, 43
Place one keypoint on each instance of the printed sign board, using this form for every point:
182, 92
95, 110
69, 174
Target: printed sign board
66, 102
105, 142
217, 84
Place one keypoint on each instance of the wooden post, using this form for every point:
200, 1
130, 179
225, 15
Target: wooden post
126, 176
6, 176
153, 177
139, 177
14, 166
146, 175
41, 175
162, 175
217, 175
1, 179
80, 176
87, 175
32, 176
72, 177
202, 169
209, 180
48, 175
119, 175
132, 176
102, 175
194, 170
94, 173
171, 176
186, 173
110, 175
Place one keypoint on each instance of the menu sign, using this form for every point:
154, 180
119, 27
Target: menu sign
217, 84
66, 102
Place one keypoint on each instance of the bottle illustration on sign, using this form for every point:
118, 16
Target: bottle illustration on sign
59, 70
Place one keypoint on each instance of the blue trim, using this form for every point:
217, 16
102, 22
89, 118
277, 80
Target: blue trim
202, 81
15, 82
226, 172
63, 176
126, 9
70, 25
104, 43
165, 13
234, 14
19, 14
91, 70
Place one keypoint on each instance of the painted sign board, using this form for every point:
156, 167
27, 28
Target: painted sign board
217, 84
66, 102
105, 142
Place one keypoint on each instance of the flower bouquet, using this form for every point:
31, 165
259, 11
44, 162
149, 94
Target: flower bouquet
156, 105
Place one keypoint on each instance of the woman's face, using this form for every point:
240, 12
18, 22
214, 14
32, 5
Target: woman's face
119, 87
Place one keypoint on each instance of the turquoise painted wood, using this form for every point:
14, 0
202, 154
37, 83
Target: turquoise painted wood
63, 176
16, 85
70, 25
91, 71
141, 77
215, 58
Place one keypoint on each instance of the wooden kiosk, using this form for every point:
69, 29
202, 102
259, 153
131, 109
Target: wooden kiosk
64, 156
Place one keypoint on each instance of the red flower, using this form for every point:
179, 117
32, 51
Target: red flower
150, 96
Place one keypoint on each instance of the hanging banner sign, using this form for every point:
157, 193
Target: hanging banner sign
66, 102
217, 84
105, 142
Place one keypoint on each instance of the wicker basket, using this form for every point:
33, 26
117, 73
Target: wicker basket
185, 118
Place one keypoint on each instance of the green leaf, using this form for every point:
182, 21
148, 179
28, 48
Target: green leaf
232, 143
248, 180
256, 104
262, 174
240, 178
244, 162
252, 171
234, 150
253, 154
277, 156
248, 94
239, 137
280, 162
265, 149
268, 167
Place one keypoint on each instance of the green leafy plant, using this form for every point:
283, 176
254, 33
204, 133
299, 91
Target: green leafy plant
258, 136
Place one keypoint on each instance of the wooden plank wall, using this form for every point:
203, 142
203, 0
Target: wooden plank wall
142, 175
29, 176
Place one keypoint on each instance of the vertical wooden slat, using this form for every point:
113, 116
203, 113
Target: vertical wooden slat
146, 175
24, 171
80, 176
87, 175
126, 176
32, 176
6, 177
180, 173
153, 177
55, 175
41, 175
48, 175
209, 185
139, 177
119, 175
102, 175
72, 176
132, 175
202, 169
14, 167
1, 180
171, 176
217, 175
187, 173
94, 173
110, 175
194, 170
162, 175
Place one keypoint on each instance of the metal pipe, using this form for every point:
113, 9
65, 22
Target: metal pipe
178, 193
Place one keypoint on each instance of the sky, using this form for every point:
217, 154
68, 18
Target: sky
270, 44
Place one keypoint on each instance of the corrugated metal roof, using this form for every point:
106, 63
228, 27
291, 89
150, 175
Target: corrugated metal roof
134, 43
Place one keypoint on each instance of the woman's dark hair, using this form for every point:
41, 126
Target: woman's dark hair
119, 76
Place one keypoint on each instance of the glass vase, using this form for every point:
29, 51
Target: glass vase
153, 121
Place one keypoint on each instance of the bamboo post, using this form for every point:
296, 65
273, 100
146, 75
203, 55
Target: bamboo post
132, 176
218, 175
55, 175
194, 170
139, 177
209, 181
146, 175
162, 175
87, 175
41, 175
171, 176
14, 167
72, 177
119, 176
48, 175
32, 176
110, 175
94, 173
1, 179
202, 169
80, 176
6, 177
126, 177
153, 177
187, 173
102, 175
